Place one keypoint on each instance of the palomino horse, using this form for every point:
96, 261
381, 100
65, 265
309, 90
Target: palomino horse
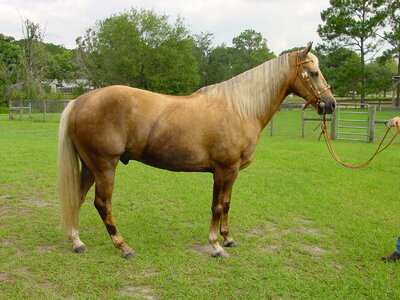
215, 130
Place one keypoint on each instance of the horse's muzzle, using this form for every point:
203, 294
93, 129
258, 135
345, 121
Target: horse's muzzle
326, 106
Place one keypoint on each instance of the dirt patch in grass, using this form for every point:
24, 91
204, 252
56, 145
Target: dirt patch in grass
256, 231
146, 274
308, 231
271, 230
37, 202
202, 249
312, 250
12, 244
272, 235
6, 277
8, 211
8, 243
271, 248
265, 230
45, 248
138, 292
5, 209
23, 271
150, 274
297, 248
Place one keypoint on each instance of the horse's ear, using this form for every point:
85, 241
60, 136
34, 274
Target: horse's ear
306, 50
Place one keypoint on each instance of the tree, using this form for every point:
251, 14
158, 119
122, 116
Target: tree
140, 49
251, 50
341, 68
379, 76
87, 58
220, 64
294, 49
202, 51
172, 68
63, 67
353, 24
392, 32
9, 61
32, 62
392, 35
27, 64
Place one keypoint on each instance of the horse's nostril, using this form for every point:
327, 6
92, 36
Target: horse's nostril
333, 106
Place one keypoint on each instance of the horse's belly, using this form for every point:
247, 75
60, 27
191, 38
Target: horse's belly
175, 158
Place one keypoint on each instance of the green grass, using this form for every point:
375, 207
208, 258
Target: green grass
308, 228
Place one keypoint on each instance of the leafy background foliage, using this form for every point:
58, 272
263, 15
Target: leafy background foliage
146, 49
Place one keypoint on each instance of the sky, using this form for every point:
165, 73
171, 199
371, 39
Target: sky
284, 23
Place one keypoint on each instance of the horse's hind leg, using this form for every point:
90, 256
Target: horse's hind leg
104, 188
87, 180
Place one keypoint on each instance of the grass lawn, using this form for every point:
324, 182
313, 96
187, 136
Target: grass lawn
307, 227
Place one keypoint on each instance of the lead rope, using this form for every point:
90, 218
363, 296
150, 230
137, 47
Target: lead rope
336, 157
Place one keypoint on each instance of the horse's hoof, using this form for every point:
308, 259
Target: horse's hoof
221, 254
79, 249
230, 244
130, 255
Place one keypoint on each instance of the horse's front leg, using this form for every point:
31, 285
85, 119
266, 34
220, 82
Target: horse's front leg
224, 229
224, 179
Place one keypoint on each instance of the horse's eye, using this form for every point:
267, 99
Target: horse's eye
313, 74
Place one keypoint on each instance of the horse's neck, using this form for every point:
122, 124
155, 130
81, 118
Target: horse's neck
274, 105
282, 76
257, 93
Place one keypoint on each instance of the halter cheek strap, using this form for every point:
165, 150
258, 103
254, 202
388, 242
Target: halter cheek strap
303, 75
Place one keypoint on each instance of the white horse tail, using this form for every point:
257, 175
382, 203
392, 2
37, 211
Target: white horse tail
69, 190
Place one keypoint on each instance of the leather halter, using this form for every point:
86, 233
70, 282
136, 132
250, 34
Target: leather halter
303, 75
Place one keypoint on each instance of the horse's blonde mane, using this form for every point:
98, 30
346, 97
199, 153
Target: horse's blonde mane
250, 92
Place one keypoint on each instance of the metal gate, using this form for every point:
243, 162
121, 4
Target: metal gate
355, 122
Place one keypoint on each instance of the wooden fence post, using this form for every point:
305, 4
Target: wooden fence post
44, 111
20, 110
10, 116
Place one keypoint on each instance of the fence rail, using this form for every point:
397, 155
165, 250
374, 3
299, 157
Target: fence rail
380, 103
50, 111
39, 110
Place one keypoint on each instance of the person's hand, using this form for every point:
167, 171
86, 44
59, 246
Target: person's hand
394, 122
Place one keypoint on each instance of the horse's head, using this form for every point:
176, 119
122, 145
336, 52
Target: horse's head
310, 84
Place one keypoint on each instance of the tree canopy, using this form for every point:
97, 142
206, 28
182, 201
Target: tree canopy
145, 49
141, 49
353, 24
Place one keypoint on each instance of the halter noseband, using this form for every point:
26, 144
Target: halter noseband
315, 94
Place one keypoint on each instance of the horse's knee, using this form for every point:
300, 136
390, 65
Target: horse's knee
226, 207
217, 211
